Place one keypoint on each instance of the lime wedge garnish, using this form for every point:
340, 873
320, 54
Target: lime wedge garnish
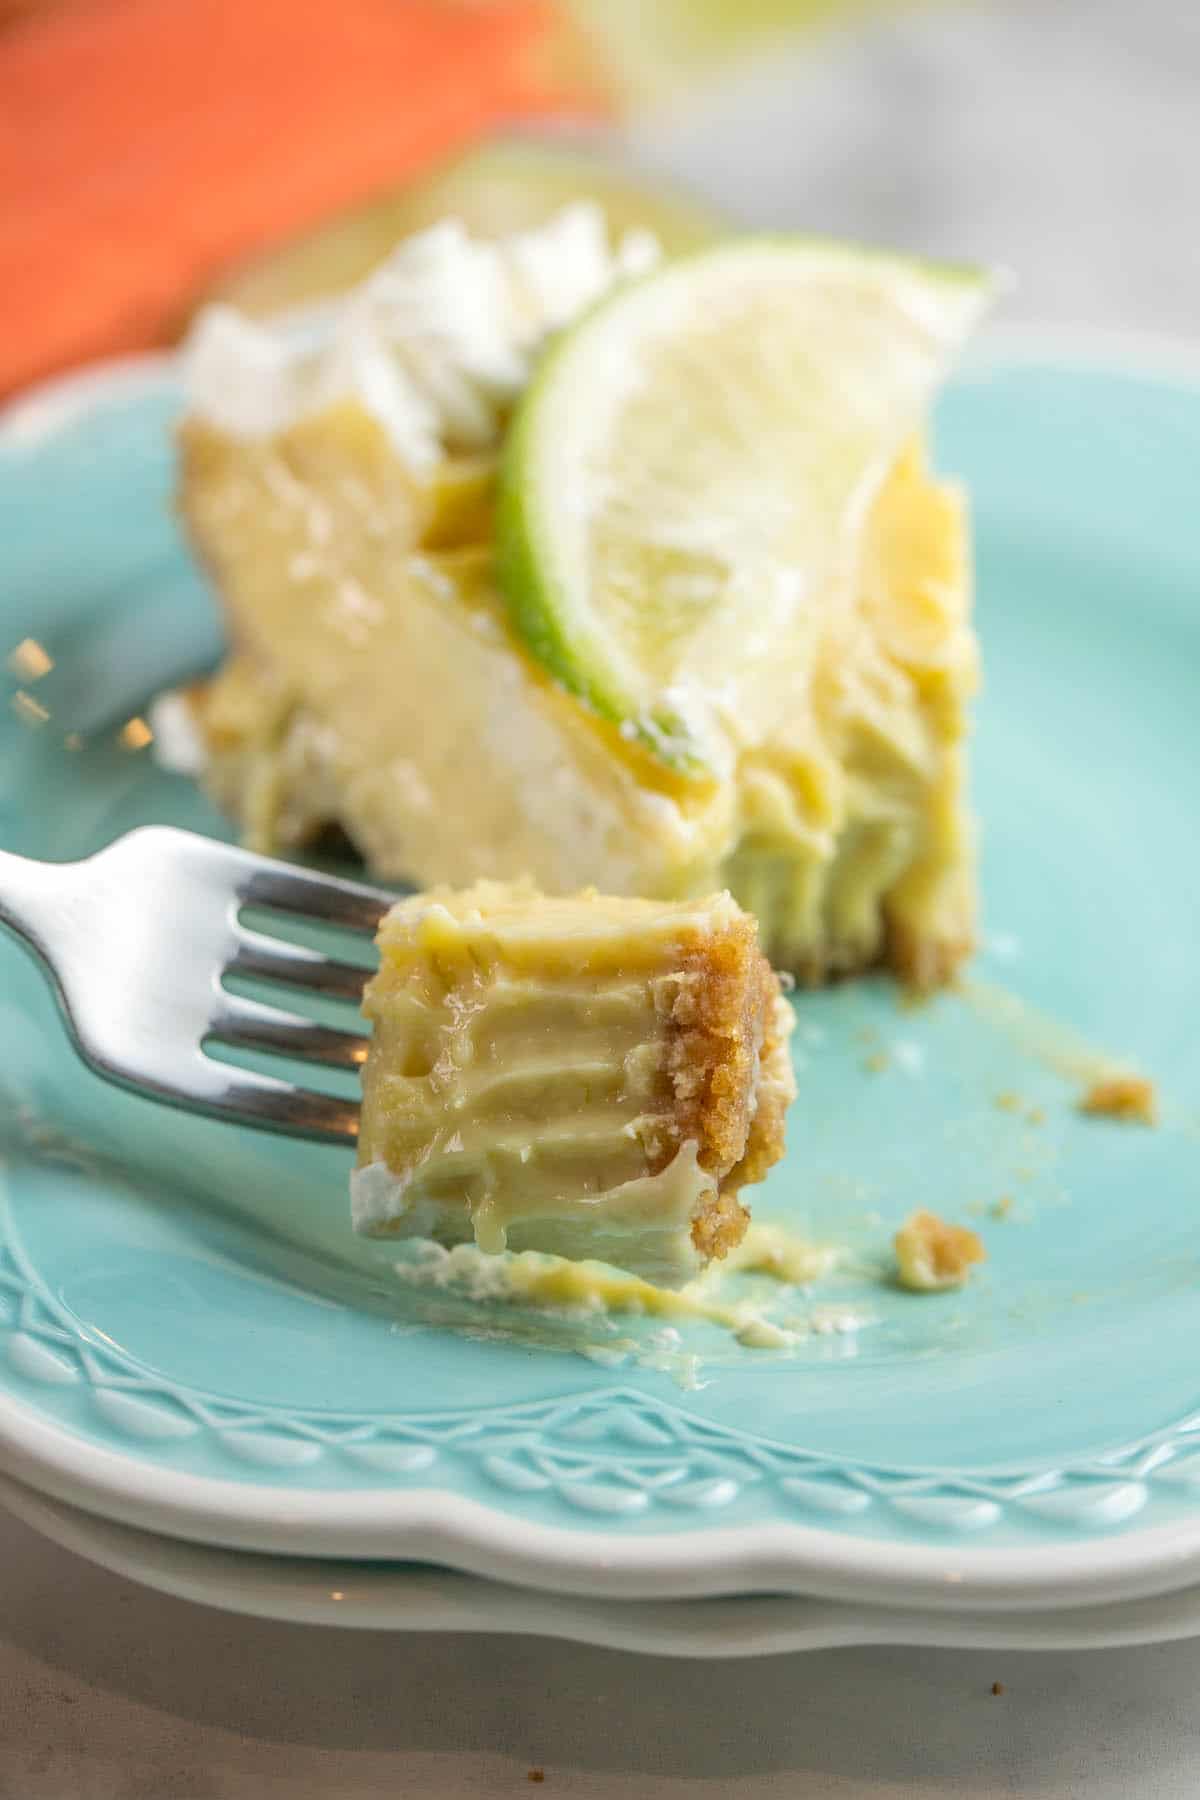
690, 465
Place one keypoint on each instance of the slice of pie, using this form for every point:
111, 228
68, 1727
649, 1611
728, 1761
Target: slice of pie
589, 1076
342, 501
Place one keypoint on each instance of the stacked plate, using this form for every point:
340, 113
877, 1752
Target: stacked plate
190, 1392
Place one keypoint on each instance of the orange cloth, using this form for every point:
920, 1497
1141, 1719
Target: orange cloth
145, 144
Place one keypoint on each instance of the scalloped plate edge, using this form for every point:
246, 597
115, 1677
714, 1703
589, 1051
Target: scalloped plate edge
437, 1526
404, 1598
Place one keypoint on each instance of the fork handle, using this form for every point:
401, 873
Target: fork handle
32, 896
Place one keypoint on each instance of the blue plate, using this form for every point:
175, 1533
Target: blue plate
194, 1342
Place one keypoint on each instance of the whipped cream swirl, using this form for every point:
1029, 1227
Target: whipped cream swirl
436, 343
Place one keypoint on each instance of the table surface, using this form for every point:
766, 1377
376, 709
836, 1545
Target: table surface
111, 1692
1058, 137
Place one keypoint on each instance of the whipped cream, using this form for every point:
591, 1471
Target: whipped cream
435, 344
178, 743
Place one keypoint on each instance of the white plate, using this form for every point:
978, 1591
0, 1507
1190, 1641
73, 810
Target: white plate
407, 1597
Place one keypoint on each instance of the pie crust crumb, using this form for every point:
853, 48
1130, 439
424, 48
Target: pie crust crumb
932, 1256
1129, 1098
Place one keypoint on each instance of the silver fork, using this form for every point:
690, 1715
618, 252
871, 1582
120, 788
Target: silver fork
138, 939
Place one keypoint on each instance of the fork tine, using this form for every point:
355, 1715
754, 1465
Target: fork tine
324, 897
244, 1096
263, 1101
252, 1026
267, 959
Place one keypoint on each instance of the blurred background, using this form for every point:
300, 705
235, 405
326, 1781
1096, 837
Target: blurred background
155, 152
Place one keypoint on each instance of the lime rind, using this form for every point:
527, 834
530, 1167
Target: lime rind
562, 645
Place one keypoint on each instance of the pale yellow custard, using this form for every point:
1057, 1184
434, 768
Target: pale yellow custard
592, 1077
376, 685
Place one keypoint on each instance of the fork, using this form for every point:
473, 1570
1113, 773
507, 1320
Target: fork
138, 939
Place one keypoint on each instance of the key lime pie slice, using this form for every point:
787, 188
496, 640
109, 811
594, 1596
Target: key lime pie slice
548, 561
590, 1076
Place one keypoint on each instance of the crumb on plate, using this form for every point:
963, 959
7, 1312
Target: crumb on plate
931, 1255
1129, 1098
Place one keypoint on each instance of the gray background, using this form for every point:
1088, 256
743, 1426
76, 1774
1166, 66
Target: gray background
1059, 137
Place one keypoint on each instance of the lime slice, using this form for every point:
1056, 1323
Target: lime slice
500, 188
692, 460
